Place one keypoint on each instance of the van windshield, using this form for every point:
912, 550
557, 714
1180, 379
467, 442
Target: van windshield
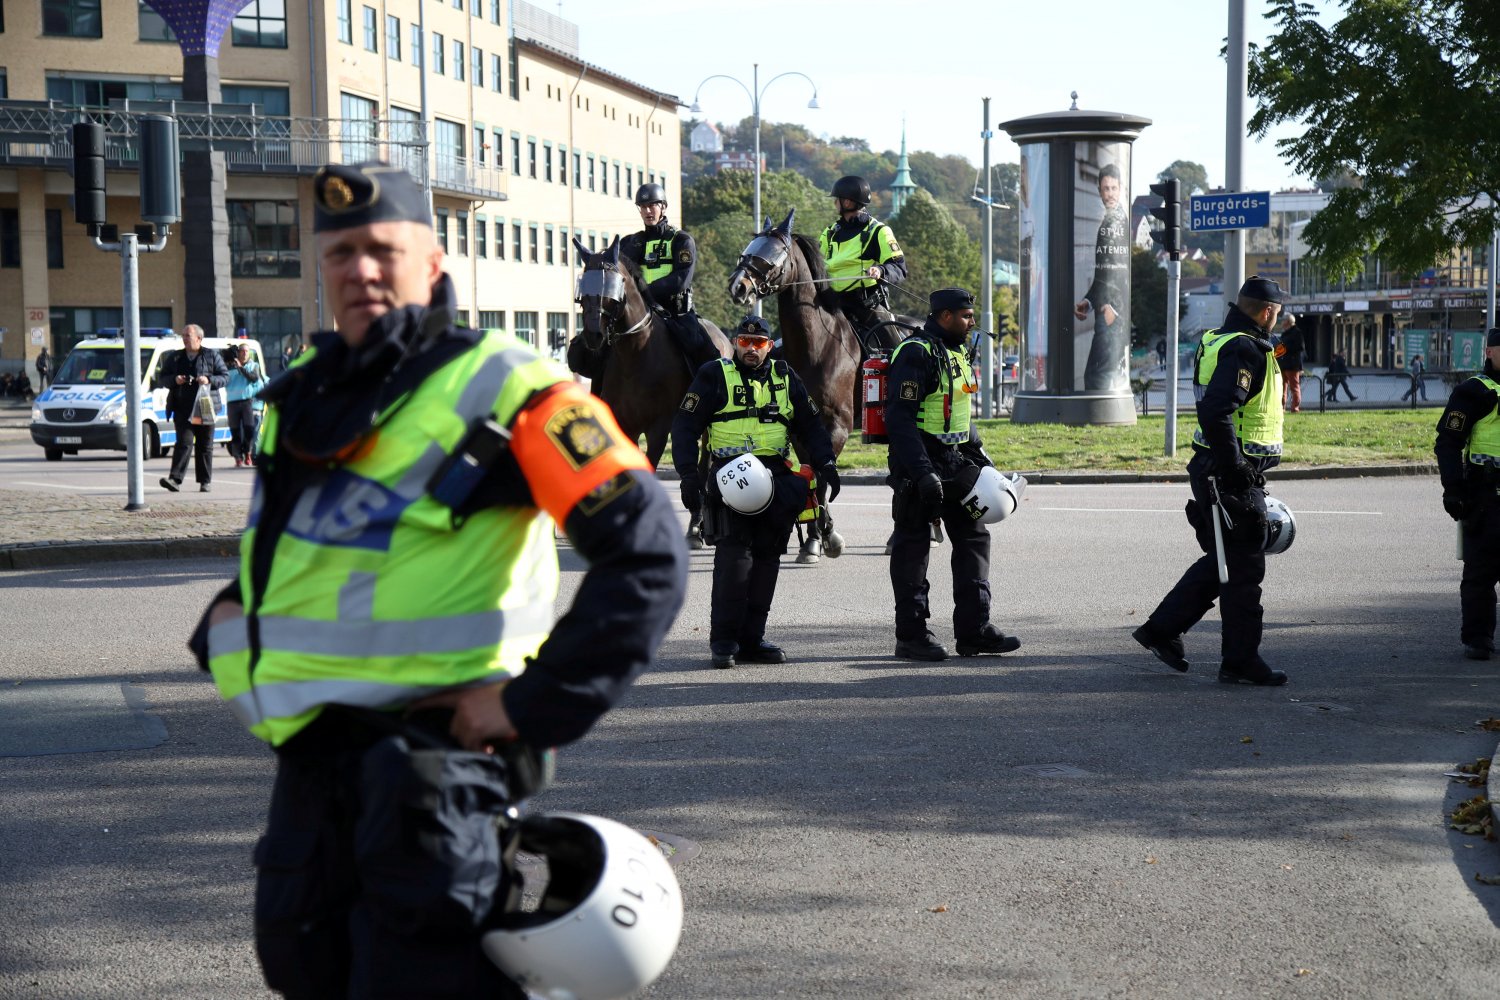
97, 366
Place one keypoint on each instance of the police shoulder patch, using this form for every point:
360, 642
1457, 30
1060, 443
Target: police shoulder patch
690, 402
895, 247
1456, 420
684, 257
578, 435
910, 390
1243, 379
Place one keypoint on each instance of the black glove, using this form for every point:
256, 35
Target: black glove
930, 489
828, 475
1457, 505
1241, 478
692, 493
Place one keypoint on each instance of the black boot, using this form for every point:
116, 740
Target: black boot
1169, 651
760, 652
989, 640
1251, 672
722, 654
924, 647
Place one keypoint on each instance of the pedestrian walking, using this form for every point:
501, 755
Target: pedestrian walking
43, 369
1289, 350
1338, 376
244, 382
1418, 385
192, 377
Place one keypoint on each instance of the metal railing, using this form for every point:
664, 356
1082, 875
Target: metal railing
1447, 378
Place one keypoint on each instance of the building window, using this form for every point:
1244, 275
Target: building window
494, 73
618, 192
629, 177
72, 18
494, 11
515, 93
442, 228
405, 135
458, 60
149, 25
515, 242
603, 176
448, 158
476, 67
359, 128
276, 329
492, 319
270, 100
264, 239
393, 37
261, 24
70, 324
547, 162
4, 85
416, 45
372, 34
437, 53
499, 239
562, 166
551, 257
53, 223
562, 245
461, 318
536, 244
498, 142
458, 4
481, 237
526, 327
346, 21
10, 237
515, 155
578, 170
91, 93
531, 158
557, 331
591, 174
463, 233
479, 144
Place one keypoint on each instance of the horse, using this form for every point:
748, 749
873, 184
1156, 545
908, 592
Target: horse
646, 376
817, 339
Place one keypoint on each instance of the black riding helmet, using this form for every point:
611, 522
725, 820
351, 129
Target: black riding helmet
648, 194
856, 189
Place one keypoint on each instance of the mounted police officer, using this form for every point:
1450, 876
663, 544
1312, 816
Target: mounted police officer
747, 411
400, 554
862, 258
933, 442
1238, 385
1468, 457
667, 258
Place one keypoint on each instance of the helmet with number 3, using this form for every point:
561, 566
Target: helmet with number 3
746, 484
609, 917
988, 494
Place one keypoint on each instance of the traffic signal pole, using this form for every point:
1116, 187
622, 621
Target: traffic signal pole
1170, 238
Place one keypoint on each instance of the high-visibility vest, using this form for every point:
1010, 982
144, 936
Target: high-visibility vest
1258, 422
375, 596
659, 251
1484, 436
747, 421
944, 414
848, 259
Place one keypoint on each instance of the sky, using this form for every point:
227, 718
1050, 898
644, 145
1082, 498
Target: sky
875, 61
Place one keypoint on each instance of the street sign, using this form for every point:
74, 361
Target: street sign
1209, 213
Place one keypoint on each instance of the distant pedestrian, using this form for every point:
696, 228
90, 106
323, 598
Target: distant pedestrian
1338, 375
185, 373
43, 369
244, 383
1161, 350
1289, 349
1417, 368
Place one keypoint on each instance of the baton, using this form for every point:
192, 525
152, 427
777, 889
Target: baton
1459, 555
1219, 514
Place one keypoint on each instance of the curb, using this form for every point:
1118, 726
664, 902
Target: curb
1492, 789
864, 477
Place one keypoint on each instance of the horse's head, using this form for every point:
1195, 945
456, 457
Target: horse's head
601, 291
764, 264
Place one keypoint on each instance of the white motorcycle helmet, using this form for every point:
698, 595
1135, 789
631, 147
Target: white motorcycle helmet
746, 484
990, 495
1281, 526
609, 918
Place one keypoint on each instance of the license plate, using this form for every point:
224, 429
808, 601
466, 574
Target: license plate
69, 440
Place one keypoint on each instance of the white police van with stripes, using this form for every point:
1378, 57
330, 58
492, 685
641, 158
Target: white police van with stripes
84, 407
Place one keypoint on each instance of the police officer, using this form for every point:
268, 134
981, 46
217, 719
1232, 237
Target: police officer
750, 404
1238, 385
932, 439
1468, 457
862, 258
667, 258
401, 544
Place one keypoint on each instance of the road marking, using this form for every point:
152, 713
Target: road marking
1158, 510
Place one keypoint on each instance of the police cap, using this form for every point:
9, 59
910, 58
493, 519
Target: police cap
1492, 339
754, 326
1264, 289
952, 299
348, 195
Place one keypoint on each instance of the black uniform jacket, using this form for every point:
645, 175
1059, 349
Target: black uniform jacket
180, 397
707, 396
1470, 402
1239, 375
684, 261
913, 452
892, 271
630, 541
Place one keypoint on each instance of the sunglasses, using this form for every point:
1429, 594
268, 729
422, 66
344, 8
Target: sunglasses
748, 342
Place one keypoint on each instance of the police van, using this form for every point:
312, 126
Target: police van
84, 407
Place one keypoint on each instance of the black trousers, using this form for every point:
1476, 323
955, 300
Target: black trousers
241, 427
867, 312
691, 338
747, 562
196, 440
1476, 591
349, 901
1244, 556
910, 547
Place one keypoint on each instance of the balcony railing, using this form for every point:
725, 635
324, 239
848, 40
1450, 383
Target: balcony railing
39, 133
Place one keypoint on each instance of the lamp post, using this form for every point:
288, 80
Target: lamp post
756, 92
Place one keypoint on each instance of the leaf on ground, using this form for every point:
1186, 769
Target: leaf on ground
1304, 972
940, 908
1287, 868
1150, 859
1473, 817
1247, 739
1487, 879
1491, 724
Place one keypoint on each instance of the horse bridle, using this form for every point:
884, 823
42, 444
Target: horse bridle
607, 318
765, 272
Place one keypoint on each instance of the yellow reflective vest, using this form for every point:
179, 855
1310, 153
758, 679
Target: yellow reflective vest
1258, 423
1484, 436
847, 260
755, 416
944, 414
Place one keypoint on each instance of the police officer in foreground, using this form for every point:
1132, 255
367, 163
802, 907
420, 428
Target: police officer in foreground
1468, 457
1238, 385
862, 258
750, 405
667, 258
400, 551
932, 442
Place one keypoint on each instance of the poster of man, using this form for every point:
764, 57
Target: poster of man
1033, 233
1101, 256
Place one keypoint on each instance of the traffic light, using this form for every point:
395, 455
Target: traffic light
88, 173
161, 192
1169, 238
1002, 324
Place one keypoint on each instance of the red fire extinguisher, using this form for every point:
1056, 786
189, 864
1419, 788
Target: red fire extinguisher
872, 376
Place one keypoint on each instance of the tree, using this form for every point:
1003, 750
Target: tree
939, 253
1148, 298
1193, 177
1403, 93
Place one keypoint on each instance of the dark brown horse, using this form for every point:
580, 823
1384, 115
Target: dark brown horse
817, 339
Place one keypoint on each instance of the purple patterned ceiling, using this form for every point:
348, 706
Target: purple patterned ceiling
198, 24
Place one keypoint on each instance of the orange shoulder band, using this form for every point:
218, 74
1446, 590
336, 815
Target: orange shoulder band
567, 444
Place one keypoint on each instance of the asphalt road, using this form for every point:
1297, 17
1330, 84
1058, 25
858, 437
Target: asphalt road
872, 828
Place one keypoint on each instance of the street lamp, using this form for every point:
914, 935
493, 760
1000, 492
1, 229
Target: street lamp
756, 92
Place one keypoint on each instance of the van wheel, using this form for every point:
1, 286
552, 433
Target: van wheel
53, 454
150, 442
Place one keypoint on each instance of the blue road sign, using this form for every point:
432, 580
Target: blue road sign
1209, 213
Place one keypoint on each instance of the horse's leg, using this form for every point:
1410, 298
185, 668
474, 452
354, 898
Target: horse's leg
812, 544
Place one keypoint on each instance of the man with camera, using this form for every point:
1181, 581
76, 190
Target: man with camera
184, 373
244, 383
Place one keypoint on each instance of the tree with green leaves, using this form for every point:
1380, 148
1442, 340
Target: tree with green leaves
1192, 177
1148, 298
1403, 93
939, 253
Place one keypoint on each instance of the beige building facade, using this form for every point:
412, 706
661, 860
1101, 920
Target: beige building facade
525, 147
